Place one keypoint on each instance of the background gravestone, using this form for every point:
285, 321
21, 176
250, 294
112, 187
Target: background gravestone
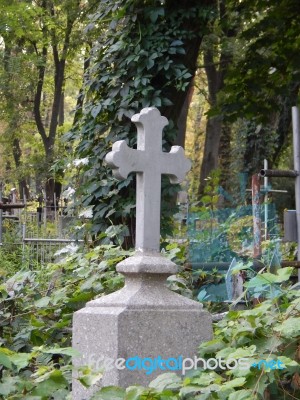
144, 318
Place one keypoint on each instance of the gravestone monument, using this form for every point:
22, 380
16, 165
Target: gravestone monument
143, 319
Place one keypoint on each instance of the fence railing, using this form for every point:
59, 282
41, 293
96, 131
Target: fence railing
37, 240
44, 251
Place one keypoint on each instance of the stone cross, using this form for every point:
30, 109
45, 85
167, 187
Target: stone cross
149, 162
144, 318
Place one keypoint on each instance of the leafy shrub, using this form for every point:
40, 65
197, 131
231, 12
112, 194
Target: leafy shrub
36, 311
35, 335
269, 331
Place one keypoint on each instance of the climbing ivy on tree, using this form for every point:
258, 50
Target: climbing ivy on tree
145, 56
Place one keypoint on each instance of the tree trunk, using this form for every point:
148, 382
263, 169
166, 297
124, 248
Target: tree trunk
57, 111
14, 120
225, 156
285, 119
215, 80
182, 119
61, 114
180, 99
80, 97
211, 149
210, 159
17, 154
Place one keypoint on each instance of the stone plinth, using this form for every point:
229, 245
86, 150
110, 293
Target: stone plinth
143, 319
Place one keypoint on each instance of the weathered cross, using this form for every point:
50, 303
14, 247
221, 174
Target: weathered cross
149, 162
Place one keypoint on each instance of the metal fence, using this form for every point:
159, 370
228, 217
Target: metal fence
44, 251
36, 238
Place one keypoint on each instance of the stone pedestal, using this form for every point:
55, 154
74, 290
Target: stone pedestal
143, 319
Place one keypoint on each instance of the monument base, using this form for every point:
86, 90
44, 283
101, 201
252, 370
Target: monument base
142, 320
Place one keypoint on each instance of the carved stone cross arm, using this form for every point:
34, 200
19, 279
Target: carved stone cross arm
149, 162
124, 160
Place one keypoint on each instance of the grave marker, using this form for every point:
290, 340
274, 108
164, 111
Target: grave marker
143, 319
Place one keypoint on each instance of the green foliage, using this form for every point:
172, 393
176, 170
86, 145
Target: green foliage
252, 143
36, 310
267, 66
11, 255
209, 201
262, 83
10, 260
35, 323
139, 61
269, 331
41, 48
47, 381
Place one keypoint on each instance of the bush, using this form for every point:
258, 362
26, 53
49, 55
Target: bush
36, 311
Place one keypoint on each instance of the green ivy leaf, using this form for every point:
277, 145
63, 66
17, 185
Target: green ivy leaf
237, 382
206, 378
21, 360
54, 382
211, 347
288, 362
164, 381
8, 386
68, 351
242, 352
134, 392
155, 13
95, 110
42, 302
109, 393
240, 395
268, 278
289, 328
88, 377
284, 274
189, 390
5, 360
176, 43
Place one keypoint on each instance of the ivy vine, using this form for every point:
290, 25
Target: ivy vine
139, 60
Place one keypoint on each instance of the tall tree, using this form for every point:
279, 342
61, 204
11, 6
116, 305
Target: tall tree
57, 24
49, 32
217, 55
147, 57
264, 80
16, 84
